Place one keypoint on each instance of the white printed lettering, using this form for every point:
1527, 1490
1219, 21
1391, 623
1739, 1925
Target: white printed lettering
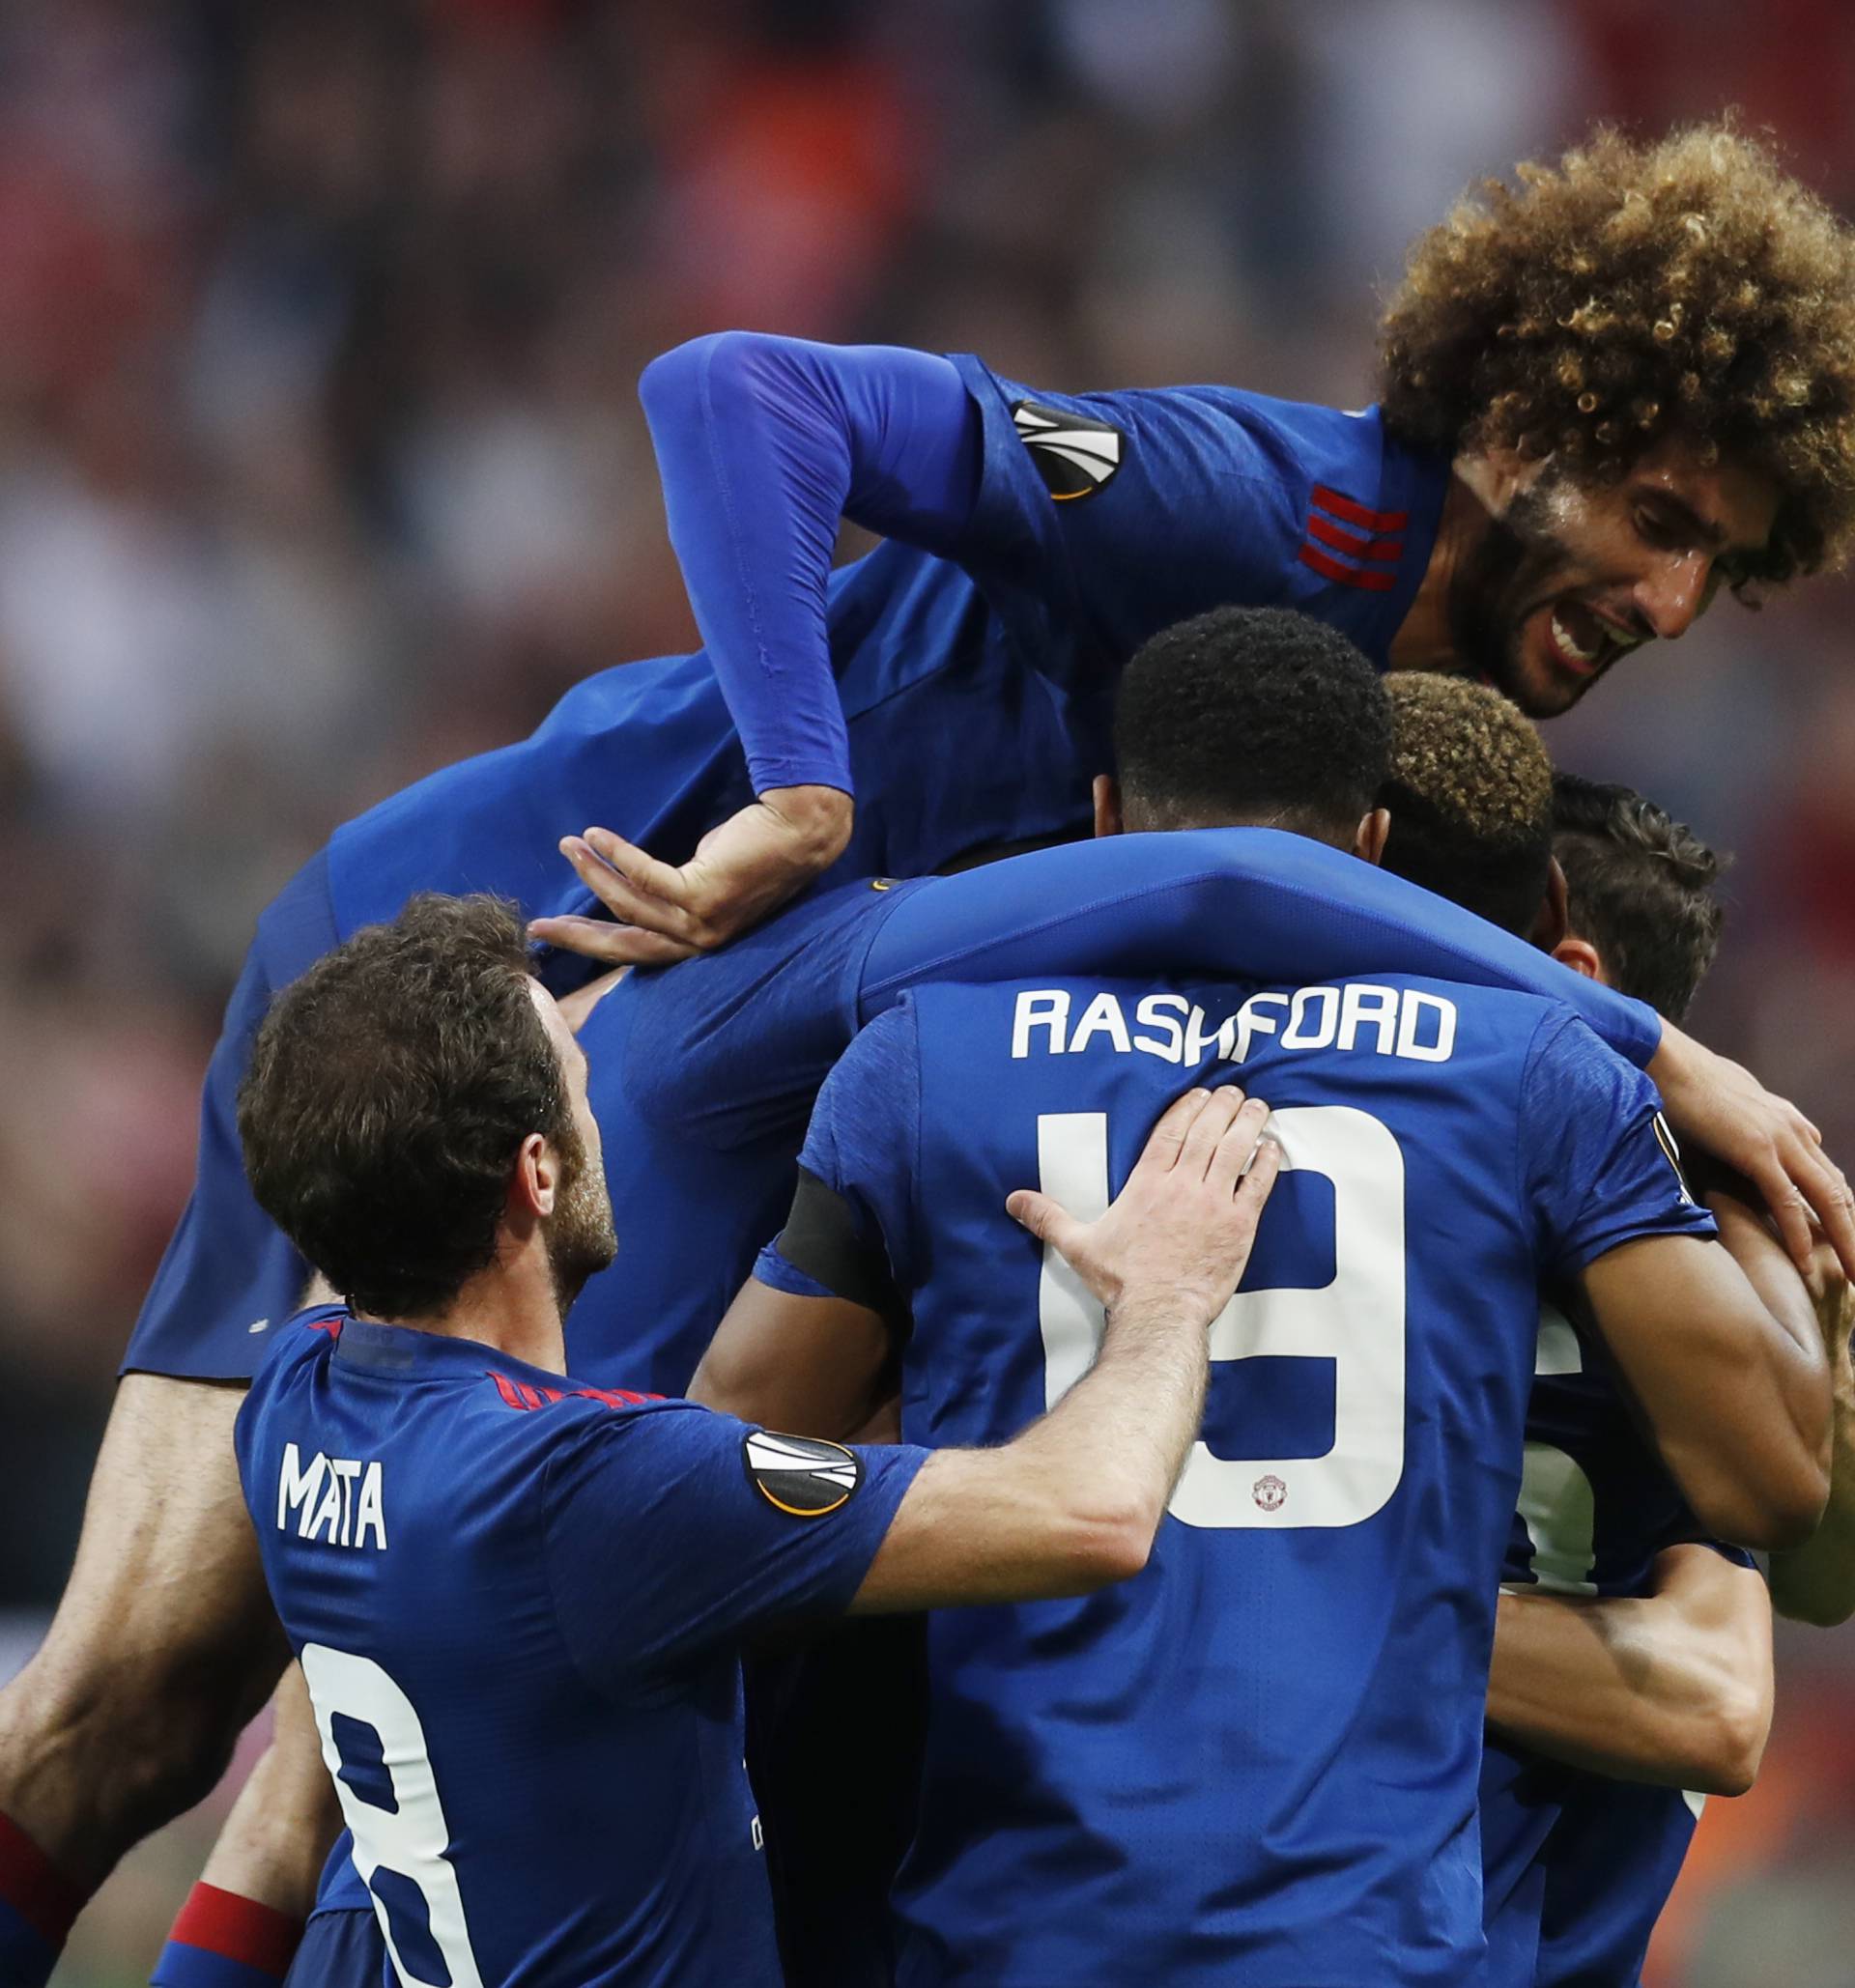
1042, 1008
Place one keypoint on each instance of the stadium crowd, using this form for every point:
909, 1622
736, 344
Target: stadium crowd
321, 466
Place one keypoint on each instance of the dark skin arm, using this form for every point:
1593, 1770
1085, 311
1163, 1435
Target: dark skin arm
813, 1366
1726, 1364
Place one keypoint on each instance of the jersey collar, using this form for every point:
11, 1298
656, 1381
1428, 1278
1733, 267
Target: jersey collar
405, 1352
1416, 482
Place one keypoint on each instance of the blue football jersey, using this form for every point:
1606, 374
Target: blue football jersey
703, 1075
518, 1603
976, 688
1258, 1760
977, 692
1577, 1865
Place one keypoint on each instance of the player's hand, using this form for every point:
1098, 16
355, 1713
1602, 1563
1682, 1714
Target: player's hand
1179, 1232
742, 870
1725, 1111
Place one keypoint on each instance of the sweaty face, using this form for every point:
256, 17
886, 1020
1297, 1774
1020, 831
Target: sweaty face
1570, 577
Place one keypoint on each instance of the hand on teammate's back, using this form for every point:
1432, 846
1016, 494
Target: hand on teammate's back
1723, 1110
741, 872
1178, 1234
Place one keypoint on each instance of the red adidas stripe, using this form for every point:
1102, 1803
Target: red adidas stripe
1387, 551
1327, 568
1357, 514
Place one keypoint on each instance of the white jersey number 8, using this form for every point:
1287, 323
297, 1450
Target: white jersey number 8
1358, 1322
410, 1839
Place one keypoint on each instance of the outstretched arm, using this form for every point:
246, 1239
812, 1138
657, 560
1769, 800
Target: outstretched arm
1072, 1504
1672, 1688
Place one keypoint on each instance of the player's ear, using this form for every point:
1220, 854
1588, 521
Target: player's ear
1581, 955
533, 1182
1555, 919
1369, 839
1108, 819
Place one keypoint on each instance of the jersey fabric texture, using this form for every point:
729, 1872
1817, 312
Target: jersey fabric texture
1577, 1865
1090, 521
703, 1075
518, 1605
974, 681
1258, 1759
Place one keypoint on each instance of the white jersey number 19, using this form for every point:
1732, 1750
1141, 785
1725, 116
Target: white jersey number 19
1356, 1320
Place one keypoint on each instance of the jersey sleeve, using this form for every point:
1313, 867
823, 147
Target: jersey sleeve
1250, 903
860, 1155
1597, 1163
763, 444
731, 1048
1103, 518
673, 1533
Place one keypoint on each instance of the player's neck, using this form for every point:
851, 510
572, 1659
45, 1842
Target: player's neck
1424, 639
512, 1306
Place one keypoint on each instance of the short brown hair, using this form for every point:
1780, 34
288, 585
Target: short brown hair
1471, 796
1639, 887
390, 1091
1631, 291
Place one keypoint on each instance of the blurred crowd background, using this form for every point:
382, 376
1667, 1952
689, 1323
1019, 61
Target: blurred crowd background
320, 465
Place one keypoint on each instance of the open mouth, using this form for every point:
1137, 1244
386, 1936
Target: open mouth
1582, 642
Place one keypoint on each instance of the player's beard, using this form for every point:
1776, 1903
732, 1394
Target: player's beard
580, 1237
1520, 565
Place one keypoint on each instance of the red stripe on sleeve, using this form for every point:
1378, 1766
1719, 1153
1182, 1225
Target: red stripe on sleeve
1357, 514
1387, 551
34, 1887
257, 1935
1347, 576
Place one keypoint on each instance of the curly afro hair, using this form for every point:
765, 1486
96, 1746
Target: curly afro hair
1469, 787
1633, 291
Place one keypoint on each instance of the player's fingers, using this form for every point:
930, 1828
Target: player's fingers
1166, 1139
621, 895
1253, 1189
1234, 1150
1206, 1129
1773, 1177
1825, 1188
593, 938
1049, 1221
660, 879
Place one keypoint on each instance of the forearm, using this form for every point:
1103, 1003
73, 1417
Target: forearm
1795, 1377
1673, 1688
1256, 903
1815, 1582
763, 444
1070, 1505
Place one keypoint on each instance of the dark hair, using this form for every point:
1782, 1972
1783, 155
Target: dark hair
1640, 889
390, 1091
1685, 285
1470, 795
1249, 714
